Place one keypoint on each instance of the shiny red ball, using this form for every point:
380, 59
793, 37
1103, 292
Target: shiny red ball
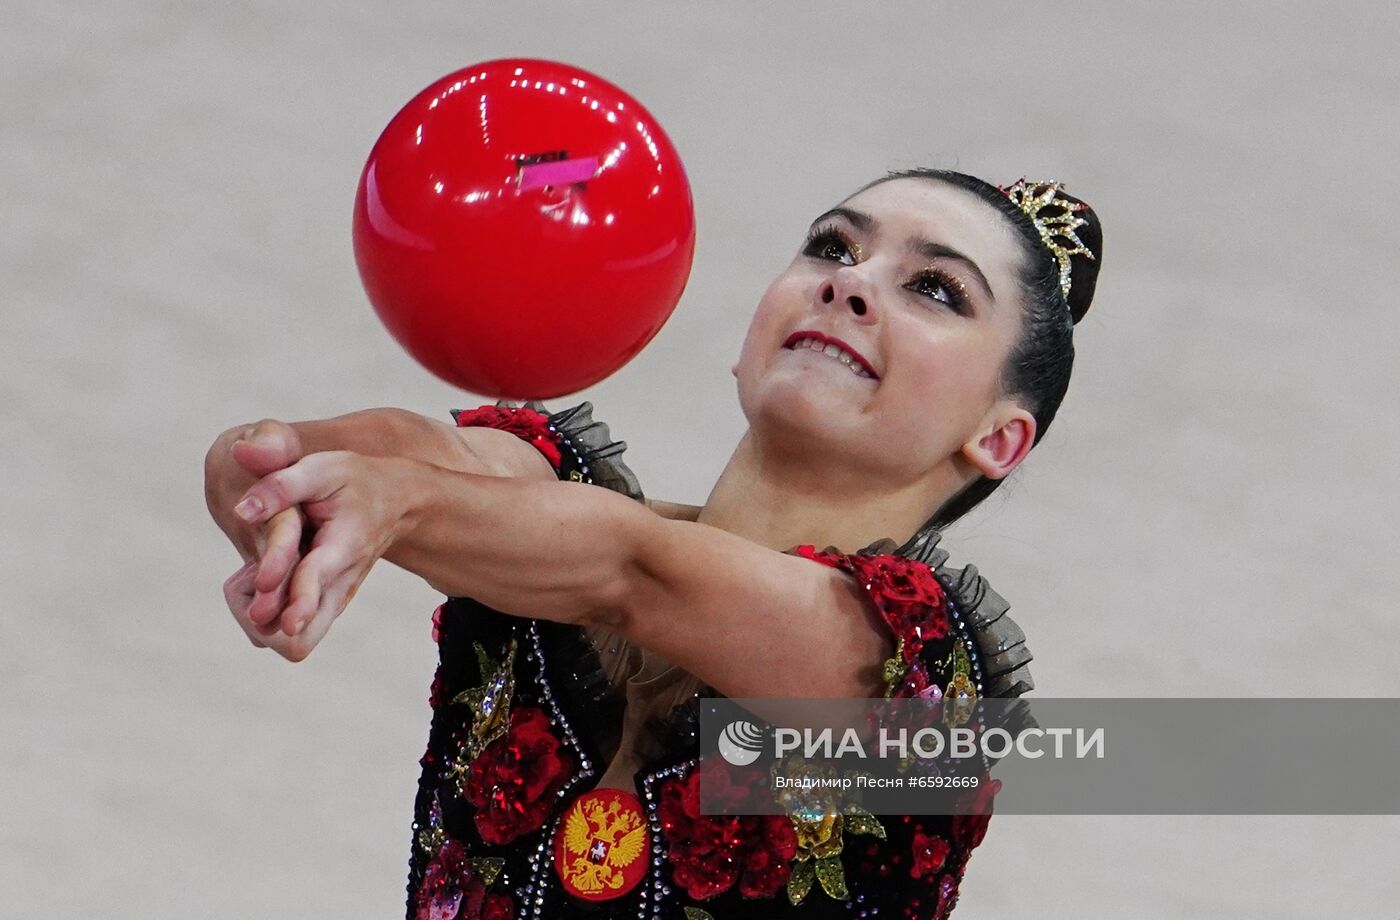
523, 228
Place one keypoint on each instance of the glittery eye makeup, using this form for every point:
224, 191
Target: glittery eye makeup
932, 280
824, 241
829, 243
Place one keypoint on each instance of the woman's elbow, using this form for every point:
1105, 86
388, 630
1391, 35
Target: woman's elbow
622, 584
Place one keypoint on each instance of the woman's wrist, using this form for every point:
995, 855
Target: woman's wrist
436, 520
415, 489
484, 536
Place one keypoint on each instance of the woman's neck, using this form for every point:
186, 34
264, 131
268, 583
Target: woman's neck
783, 501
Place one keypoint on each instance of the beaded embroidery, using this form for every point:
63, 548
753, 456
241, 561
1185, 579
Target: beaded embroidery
820, 840
489, 703
961, 694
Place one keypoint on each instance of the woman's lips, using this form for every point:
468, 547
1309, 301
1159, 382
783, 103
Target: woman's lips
825, 339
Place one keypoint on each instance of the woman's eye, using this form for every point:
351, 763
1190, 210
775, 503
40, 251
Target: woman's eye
828, 244
936, 288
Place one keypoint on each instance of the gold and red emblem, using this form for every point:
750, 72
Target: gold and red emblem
601, 845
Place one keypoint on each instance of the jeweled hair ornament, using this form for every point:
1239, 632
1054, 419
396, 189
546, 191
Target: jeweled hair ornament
1057, 228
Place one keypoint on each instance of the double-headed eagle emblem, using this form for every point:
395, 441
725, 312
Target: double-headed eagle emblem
599, 842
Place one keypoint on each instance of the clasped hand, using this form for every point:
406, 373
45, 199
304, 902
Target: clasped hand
321, 522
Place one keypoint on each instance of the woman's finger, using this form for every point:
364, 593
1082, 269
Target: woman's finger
238, 594
335, 597
327, 559
280, 553
268, 606
239, 583
313, 478
267, 446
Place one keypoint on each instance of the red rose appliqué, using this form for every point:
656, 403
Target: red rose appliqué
514, 781
711, 853
524, 423
929, 853
910, 599
969, 829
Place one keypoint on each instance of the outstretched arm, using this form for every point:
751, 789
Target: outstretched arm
239, 456
384, 432
747, 620
242, 454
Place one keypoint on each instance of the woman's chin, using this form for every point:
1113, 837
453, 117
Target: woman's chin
827, 388
807, 400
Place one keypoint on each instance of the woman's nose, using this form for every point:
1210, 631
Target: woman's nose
853, 299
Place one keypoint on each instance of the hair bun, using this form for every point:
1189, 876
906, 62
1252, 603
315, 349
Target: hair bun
1084, 268
1069, 229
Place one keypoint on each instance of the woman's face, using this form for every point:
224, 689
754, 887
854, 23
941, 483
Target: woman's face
919, 279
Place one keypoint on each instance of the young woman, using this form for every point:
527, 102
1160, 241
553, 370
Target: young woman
916, 348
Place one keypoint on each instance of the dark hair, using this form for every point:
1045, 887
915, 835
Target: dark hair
1038, 369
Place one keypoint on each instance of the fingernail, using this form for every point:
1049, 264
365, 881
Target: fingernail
248, 509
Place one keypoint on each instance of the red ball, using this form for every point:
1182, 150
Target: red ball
523, 228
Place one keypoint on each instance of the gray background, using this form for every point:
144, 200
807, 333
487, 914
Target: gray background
1210, 516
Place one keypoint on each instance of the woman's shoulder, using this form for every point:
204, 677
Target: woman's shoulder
946, 621
984, 612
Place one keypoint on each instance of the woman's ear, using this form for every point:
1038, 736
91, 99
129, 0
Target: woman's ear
1003, 442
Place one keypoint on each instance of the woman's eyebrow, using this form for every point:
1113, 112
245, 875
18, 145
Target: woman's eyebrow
858, 219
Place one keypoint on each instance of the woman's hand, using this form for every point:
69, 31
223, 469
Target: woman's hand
238, 458
356, 507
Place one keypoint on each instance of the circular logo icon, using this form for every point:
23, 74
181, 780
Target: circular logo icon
601, 845
741, 742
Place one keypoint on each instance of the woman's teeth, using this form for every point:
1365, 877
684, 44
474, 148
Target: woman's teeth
833, 351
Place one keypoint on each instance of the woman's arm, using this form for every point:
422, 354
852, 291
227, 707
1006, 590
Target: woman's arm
384, 432
242, 454
674, 510
747, 620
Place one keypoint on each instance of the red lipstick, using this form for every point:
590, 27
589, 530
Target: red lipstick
830, 340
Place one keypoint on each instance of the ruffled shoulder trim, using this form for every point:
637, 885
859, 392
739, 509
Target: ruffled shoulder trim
596, 456
590, 440
1000, 641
